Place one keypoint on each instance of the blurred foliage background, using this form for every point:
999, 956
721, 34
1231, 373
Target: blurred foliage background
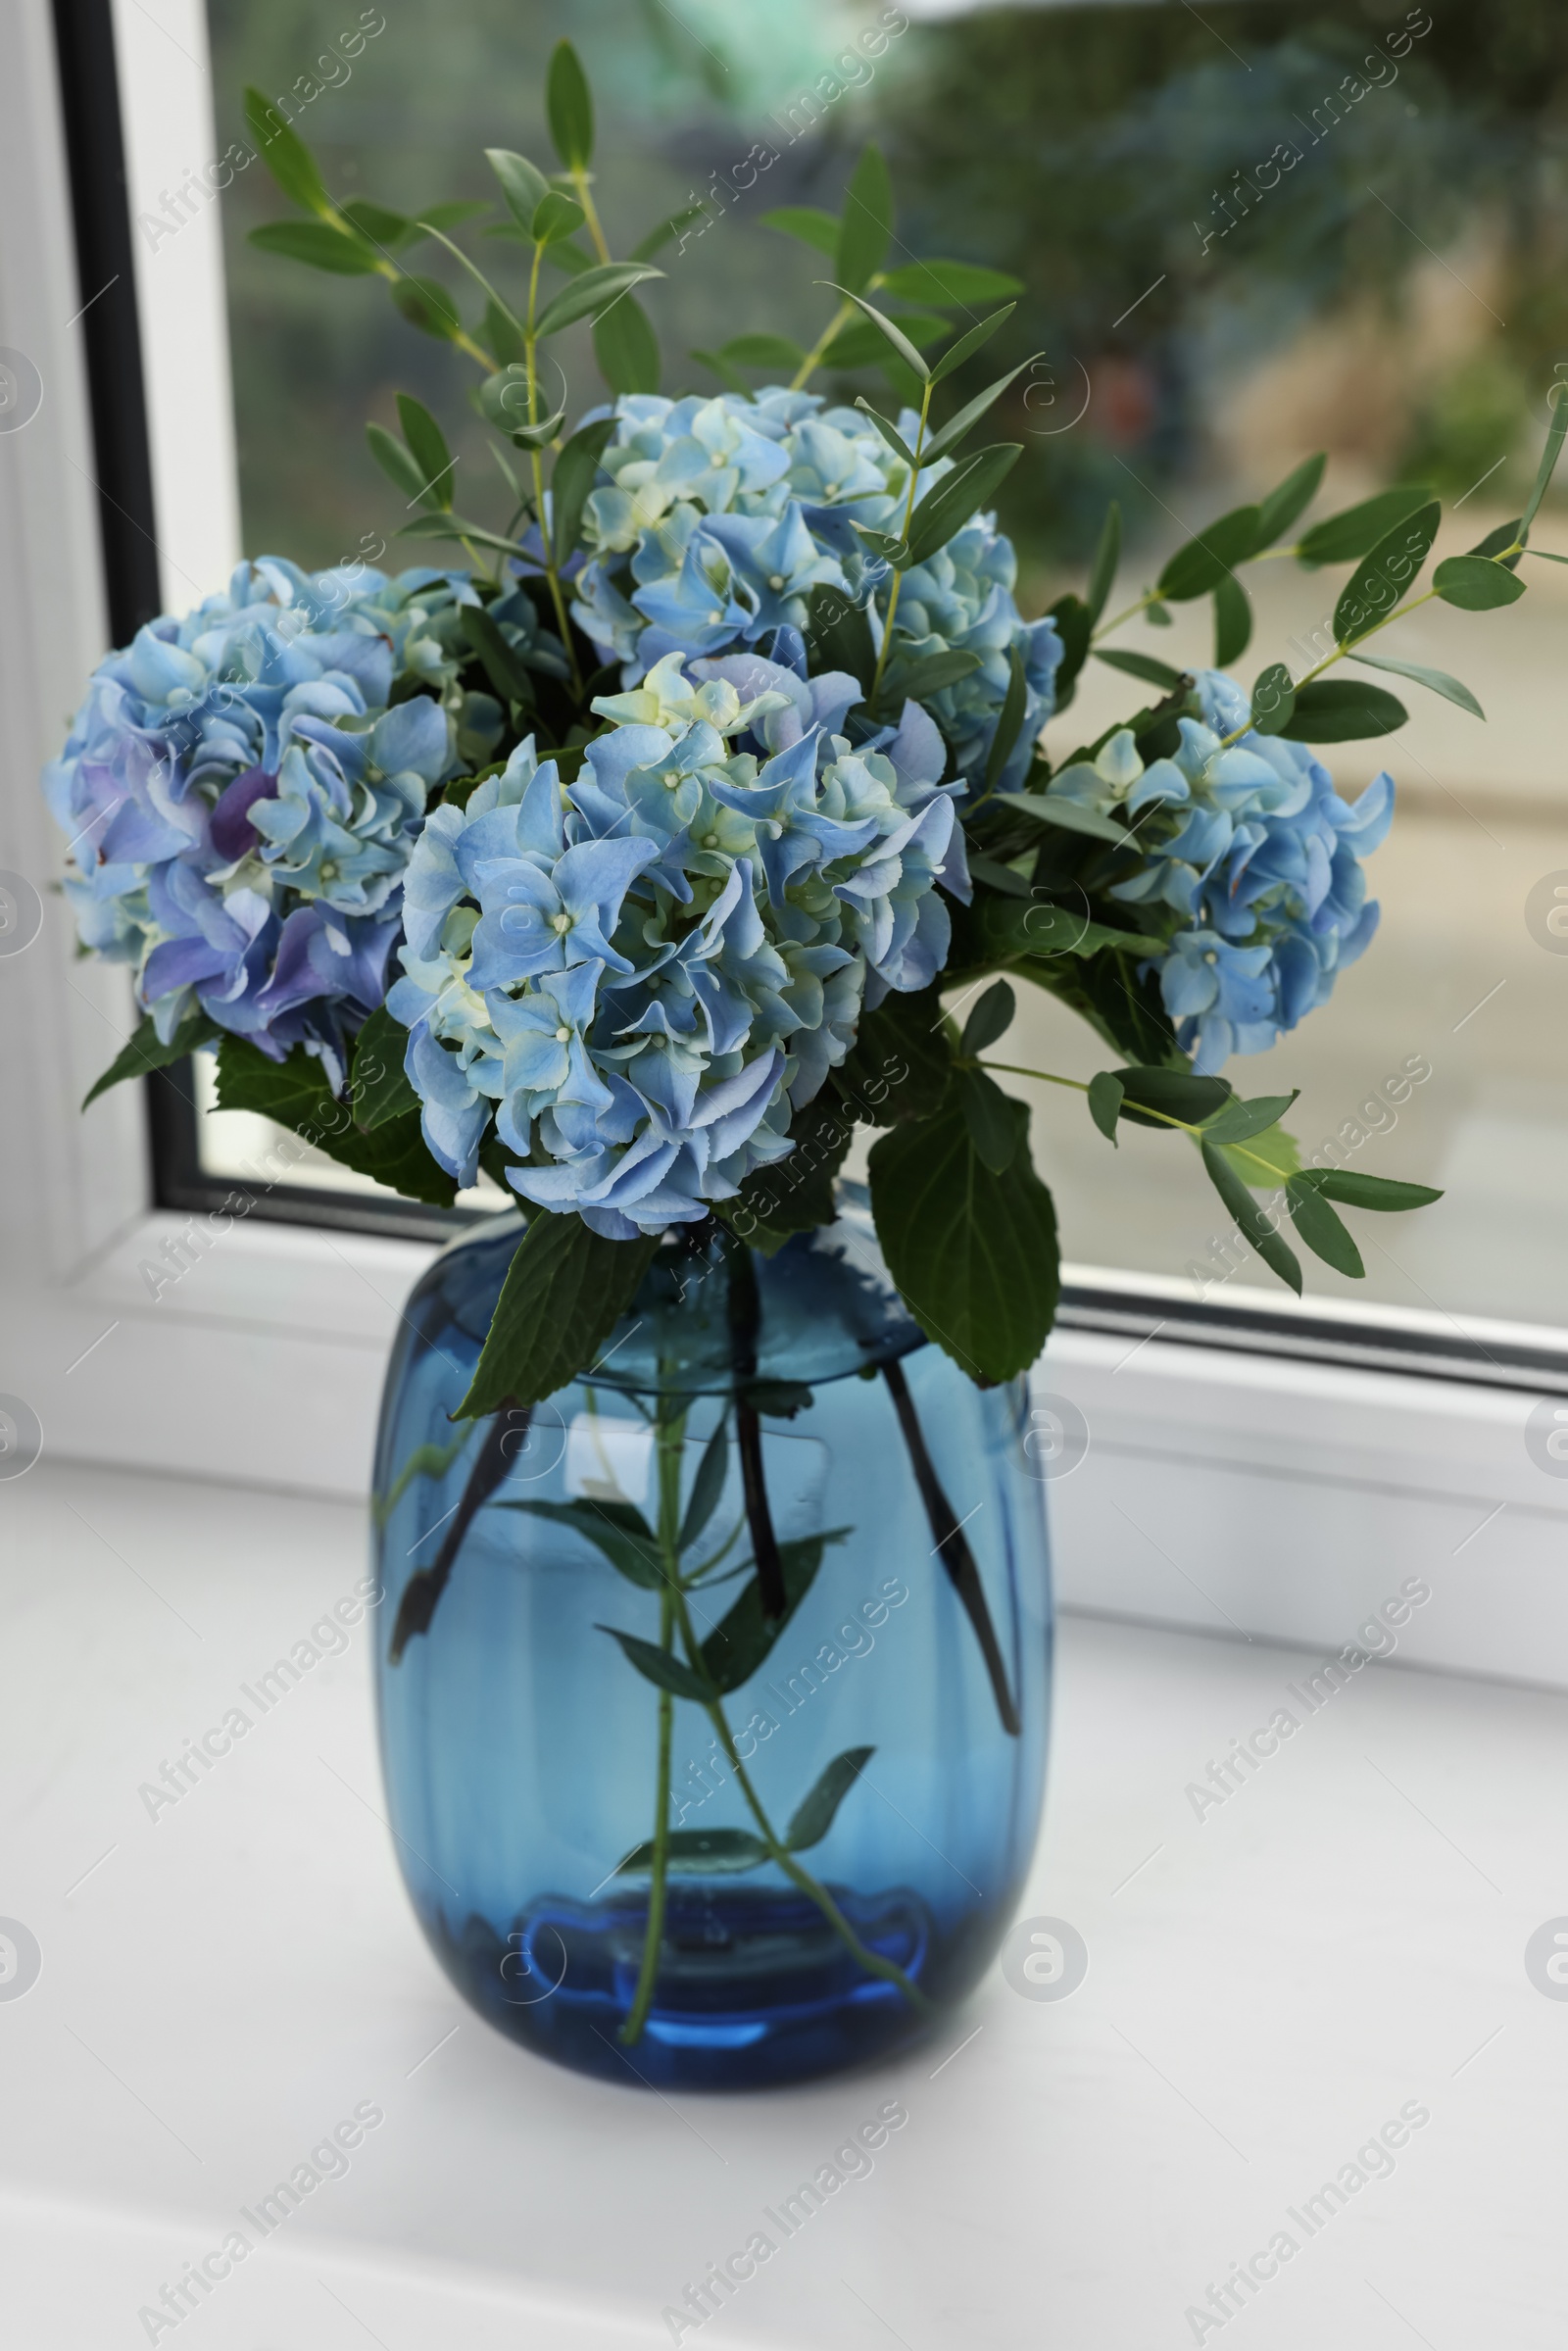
1395, 297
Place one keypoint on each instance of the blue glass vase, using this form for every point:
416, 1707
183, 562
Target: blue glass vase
714, 1692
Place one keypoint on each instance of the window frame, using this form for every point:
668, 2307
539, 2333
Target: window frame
279, 1308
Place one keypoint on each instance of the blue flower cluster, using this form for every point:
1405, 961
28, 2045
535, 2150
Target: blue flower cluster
1257, 857
722, 517
638, 975
241, 794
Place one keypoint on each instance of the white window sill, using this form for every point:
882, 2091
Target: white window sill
1267, 1987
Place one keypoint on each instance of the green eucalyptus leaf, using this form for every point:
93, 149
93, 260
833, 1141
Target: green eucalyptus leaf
1141, 665
630, 1548
740, 1643
1383, 575
865, 229
969, 415
950, 285
388, 230
892, 334
658, 1666
1174, 1092
400, 467
576, 472
430, 452
931, 673
1476, 584
570, 108
626, 347
504, 338
425, 304
1266, 1159
895, 441
1106, 1095
556, 218
316, 243
863, 345
1438, 681
1067, 815
807, 224
503, 665
1250, 1218
761, 351
1548, 457
285, 154
1295, 494
700, 1853
1237, 1120
1107, 556
1233, 620
591, 294
1009, 720
967, 344
1380, 1193
1273, 700
813, 1817
991, 1018
1333, 709
454, 527
1345, 537
945, 509
522, 184
707, 1486
1321, 1230
1204, 561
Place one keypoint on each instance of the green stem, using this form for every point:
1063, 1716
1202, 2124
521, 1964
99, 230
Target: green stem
1149, 596
897, 577
669, 1436
814, 358
778, 1852
1047, 1077
580, 180
536, 466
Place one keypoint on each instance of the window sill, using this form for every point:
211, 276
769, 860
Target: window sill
1267, 1987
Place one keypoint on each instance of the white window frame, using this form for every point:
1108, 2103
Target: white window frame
1225, 1488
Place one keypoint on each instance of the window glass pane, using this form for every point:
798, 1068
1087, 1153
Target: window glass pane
1245, 235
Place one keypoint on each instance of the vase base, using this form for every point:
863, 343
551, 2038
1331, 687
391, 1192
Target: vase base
754, 1985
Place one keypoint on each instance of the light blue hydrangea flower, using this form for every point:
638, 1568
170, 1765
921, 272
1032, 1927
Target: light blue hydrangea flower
1254, 864
637, 977
722, 516
242, 799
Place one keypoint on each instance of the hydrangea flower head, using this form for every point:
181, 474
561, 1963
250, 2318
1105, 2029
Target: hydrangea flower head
634, 978
241, 793
723, 516
1255, 861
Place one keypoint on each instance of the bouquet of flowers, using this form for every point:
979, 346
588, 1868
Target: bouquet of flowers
633, 858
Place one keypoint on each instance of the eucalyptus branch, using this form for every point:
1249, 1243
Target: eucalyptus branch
669, 1436
777, 1851
897, 577
1047, 1077
530, 342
